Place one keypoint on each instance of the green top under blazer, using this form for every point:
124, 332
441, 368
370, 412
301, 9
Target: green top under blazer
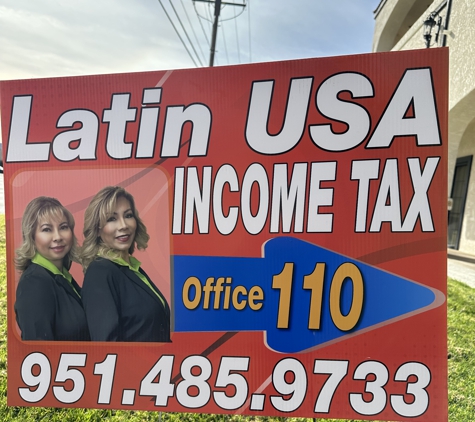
48, 307
121, 307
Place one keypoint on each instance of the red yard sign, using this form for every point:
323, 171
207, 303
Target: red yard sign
297, 220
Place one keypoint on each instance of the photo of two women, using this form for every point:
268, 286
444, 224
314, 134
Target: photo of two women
116, 300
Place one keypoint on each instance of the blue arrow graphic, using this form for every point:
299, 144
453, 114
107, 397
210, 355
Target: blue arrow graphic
203, 303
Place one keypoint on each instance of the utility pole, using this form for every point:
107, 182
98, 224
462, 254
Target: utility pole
214, 35
217, 11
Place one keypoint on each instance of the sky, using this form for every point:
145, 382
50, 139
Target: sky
50, 38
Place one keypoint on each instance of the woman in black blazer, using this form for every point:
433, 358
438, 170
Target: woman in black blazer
120, 300
48, 303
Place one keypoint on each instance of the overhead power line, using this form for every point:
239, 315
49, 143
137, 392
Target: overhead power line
186, 33
192, 28
249, 28
201, 24
237, 41
179, 36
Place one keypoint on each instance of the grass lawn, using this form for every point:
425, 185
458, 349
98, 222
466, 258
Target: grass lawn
461, 358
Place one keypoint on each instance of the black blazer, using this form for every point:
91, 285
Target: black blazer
48, 308
121, 307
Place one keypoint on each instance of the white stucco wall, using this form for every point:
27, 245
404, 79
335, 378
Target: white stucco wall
467, 238
461, 42
414, 39
462, 50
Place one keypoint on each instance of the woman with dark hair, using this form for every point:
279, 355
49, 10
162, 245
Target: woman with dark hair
120, 300
48, 300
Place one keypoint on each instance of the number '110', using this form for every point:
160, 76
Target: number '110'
314, 282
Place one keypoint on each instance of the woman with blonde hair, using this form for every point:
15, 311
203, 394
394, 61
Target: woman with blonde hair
48, 300
120, 300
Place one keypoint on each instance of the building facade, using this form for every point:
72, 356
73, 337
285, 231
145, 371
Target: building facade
415, 24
